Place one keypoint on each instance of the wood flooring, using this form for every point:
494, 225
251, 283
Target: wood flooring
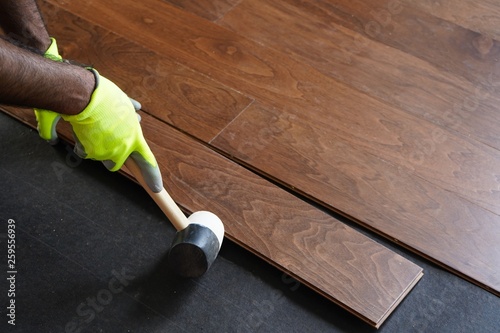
324, 254
385, 112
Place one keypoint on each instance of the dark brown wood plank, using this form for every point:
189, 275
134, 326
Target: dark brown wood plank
375, 192
480, 16
196, 43
183, 97
405, 27
395, 76
212, 10
361, 123
333, 259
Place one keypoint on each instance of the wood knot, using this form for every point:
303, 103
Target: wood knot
231, 50
483, 44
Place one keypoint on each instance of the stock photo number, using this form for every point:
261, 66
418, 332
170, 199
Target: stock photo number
11, 272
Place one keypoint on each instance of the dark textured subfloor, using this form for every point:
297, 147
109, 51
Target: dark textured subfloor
90, 257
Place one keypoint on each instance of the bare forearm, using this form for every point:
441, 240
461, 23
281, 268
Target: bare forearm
30, 80
21, 21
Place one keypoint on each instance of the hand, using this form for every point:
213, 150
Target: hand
108, 130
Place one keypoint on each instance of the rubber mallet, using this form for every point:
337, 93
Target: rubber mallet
198, 238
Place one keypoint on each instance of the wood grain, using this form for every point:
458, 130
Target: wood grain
377, 193
445, 170
408, 141
480, 16
402, 26
183, 97
210, 9
443, 97
203, 46
336, 261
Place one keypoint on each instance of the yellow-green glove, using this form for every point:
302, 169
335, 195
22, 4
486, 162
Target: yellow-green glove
47, 120
108, 130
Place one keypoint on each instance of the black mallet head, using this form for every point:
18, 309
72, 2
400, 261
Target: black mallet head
195, 247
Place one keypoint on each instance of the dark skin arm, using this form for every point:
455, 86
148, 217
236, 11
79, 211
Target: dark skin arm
30, 80
27, 78
21, 21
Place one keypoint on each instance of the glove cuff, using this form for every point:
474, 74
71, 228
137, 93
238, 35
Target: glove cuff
93, 100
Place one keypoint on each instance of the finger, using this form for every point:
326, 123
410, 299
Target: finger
136, 104
47, 124
150, 173
137, 107
79, 149
109, 164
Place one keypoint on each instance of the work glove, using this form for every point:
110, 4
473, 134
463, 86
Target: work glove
107, 130
47, 120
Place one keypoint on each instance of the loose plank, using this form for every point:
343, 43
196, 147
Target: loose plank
183, 97
376, 193
336, 261
389, 74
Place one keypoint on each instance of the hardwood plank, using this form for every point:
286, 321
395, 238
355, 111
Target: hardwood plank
388, 74
380, 195
183, 97
480, 16
194, 42
333, 259
446, 45
385, 133
212, 10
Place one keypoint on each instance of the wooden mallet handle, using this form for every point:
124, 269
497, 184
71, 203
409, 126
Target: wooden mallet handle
162, 198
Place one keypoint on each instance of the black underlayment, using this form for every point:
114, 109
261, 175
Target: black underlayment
90, 256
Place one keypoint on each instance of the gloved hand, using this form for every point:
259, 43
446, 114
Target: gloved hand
108, 130
47, 120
